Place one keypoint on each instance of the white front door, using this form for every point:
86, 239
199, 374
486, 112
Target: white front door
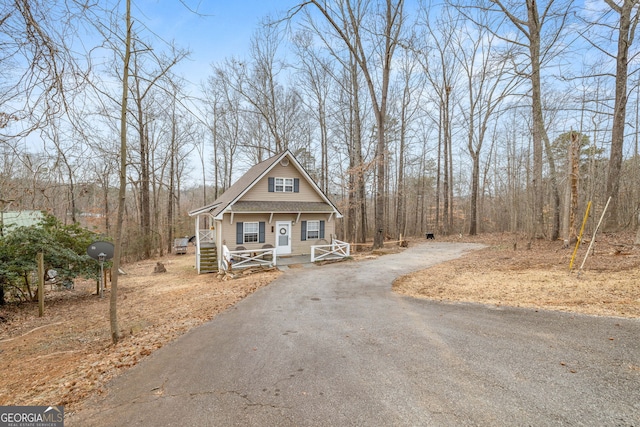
283, 237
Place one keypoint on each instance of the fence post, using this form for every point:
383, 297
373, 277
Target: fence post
40, 259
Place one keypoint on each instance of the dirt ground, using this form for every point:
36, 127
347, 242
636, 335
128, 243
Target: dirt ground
67, 355
63, 357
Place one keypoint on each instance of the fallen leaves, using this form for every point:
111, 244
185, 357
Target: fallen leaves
67, 355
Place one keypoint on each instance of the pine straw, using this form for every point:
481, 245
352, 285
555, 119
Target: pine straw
608, 285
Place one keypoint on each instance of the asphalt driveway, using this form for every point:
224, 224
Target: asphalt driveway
334, 346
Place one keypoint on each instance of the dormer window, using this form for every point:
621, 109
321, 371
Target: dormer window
284, 185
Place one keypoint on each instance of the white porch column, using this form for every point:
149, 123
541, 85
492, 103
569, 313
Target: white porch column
218, 226
198, 243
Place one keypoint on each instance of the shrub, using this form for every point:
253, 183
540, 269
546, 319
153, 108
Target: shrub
64, 248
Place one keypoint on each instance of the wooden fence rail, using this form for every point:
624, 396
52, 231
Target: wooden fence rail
336, 250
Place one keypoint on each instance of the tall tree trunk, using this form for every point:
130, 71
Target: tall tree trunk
351, 228
357, 194
324, 163
439, 167
574, 177
625, 38
145, 199
216, 156
405, 117
401, 220
446, 222
379, 208
538, 119
555, 191
113, 316
531, 28
475, 186
451, 205
171, 190
107, 208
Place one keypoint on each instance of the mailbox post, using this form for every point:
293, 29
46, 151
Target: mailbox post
101, 252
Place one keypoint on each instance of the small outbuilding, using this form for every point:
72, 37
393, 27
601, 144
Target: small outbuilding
13, 219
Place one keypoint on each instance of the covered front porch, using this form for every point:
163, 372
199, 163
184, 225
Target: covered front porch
213, 255
213, 252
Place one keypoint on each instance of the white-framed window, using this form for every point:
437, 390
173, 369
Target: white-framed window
250, 232
284, 185
313, 230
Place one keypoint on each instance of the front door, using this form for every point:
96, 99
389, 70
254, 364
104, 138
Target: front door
283, 237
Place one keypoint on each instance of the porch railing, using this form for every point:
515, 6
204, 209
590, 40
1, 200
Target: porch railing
249, 258
207, 235
336, 250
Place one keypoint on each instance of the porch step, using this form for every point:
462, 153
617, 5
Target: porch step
208, 259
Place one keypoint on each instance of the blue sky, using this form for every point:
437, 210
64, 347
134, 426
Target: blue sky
223, 29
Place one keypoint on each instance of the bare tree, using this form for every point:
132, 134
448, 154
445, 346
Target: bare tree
145, 81
38, 68
574, 174
629, 15
350, 112
214, 106
540, 27
176, 140
411, 86
64, 157
122, 192
347, 20
257, 82
442, 70
567, 151
229, 124
488, 86
316, 76
357, 214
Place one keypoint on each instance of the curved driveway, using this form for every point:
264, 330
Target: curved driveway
334, 346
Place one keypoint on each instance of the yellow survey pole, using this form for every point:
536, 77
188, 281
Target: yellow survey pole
593, 239
584, 222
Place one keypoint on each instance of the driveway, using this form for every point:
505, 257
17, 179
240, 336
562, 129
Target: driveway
334, 346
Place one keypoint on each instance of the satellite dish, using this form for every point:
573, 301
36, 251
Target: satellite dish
98, 250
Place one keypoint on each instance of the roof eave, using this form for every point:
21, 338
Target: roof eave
204, 209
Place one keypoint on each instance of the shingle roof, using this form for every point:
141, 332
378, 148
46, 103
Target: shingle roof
237, 188
233, 195
276, 206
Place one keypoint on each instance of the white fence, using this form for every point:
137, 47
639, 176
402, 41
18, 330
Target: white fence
248, 258
336, 250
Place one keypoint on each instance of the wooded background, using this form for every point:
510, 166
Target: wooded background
456, 117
